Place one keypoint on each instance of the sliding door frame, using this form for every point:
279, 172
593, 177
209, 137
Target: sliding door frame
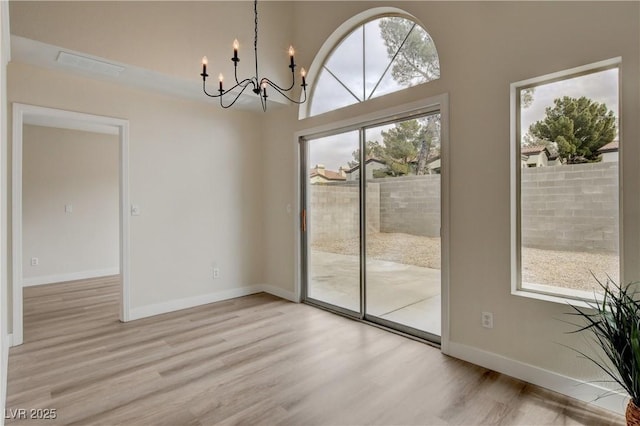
422, 107
304, 186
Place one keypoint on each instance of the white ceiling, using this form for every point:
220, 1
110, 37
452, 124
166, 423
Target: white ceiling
44, 55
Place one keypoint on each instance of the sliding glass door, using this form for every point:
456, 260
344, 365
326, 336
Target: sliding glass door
332, 222
402, 243
371, 201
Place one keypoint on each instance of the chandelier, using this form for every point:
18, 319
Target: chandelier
258, 85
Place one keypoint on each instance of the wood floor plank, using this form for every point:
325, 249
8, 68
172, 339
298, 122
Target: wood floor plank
255, 360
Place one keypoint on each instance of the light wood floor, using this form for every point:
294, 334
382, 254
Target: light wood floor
253, 360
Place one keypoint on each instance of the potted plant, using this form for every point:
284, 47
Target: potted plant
614, 323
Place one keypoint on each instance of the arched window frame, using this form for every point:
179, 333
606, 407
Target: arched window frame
338, 36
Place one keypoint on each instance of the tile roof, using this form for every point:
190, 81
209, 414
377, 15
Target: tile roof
532, 149
327, 174
610, 147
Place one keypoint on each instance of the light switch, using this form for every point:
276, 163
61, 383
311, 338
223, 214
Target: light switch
135, 210
68, 208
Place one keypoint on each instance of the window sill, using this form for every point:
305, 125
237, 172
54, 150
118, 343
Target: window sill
564, 296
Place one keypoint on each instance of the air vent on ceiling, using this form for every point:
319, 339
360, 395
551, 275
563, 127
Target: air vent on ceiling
88, 64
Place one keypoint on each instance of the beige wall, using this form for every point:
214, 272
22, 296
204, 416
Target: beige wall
483, 47
197, 205
165, 36
69, 167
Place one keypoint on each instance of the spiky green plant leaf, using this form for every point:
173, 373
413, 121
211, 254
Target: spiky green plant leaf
614, 323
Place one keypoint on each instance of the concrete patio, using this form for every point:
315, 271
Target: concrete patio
405, 294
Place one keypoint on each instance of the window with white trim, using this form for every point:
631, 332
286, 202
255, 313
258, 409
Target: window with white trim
565, 173
380, 56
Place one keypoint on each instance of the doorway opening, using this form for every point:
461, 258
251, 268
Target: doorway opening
27, 120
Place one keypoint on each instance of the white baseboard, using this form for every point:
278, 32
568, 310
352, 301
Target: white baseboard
279, 292
72, 276
573, 388
190, 302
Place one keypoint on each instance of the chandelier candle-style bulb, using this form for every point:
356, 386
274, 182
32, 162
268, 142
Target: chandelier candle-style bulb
205, 61
236, 45
291, 52
256, 83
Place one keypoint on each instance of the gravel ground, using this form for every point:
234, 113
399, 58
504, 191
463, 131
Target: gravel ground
560, 268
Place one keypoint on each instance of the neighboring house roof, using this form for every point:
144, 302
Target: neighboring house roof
531, 154
610, 147
326, 174
434, 164
533, 150
369, 160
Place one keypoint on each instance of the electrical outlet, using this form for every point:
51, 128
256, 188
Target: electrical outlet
35, 261
487, 319
216, 273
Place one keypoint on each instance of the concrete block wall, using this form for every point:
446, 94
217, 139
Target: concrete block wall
335, 211
571, 207
410, 204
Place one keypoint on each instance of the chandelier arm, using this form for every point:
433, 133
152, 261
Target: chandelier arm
234, 99
255, 83
275, 86
244, 83
281, 91
204, 89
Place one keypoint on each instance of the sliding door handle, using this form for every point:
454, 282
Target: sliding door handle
303, 220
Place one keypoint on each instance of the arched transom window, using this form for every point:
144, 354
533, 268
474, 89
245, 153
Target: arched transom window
381, 56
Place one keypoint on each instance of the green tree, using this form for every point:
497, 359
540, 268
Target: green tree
406, 147
416, 58
373, 149
578, 126
409, 145
401, 142
400, 147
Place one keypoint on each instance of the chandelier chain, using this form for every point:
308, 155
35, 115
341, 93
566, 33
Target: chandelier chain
255, 39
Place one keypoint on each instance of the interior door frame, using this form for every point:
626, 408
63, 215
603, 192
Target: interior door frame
51, 117
420, 107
